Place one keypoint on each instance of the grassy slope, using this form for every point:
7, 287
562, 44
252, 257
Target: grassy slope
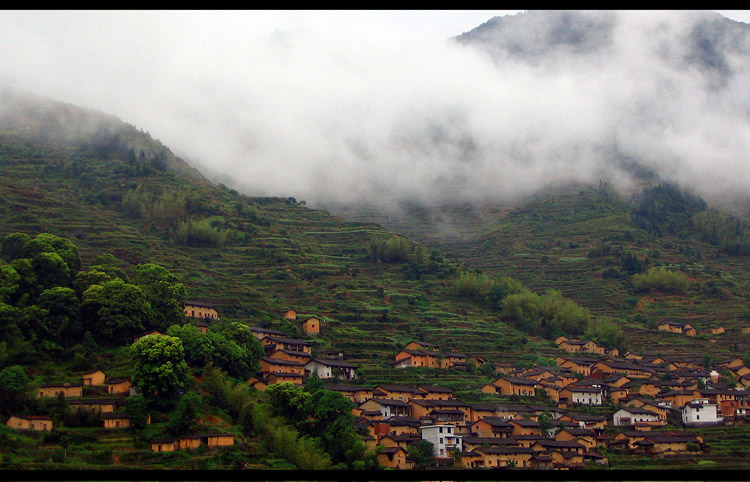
547, 243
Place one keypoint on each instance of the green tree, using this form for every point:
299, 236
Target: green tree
12, 246
137, 410
288, 401
9, 283
423, 454
115, 311
13, 396
62, 305
160, 369
186, 415
165, 293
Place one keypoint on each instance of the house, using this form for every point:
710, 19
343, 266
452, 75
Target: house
403, 440
273, 378
567, 445
582, 395
432, 392
745, 331
596, 423
331, 369
138, 338
273, 343
164, 444
218, 439
394, 458
30, 422
524, 427
516, 386
481, 410
56, 389
261, 333
700, 412
420, 345
625, 368
278, 365
93, 377
504, 367
496, 457
416, 358
716, 331
676, 398
115, 420
189, 442
454, 360
289, 314
311, 326
632, 415
197, 309
577, 365
387, 407
583, 436
492, 427
291, 355
684, 329
103, 405
400, 392
202, 326
356, 394
118, 385
443, 439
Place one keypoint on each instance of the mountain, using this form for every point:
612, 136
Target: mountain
700, 41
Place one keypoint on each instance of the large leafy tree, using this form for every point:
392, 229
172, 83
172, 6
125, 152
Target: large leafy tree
137, 411
165, 293
215, 348
12, 244
186, 415
160, 368
9, 283
13, 383
62, 306
115, 311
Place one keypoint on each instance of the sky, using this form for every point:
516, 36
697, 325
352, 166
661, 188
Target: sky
379, 105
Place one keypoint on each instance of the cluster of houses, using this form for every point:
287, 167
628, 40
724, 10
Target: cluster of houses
423, 354
588, 346
680, 328
644, 393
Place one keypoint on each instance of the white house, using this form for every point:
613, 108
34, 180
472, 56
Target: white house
443, 438
631, 415
331, 369
585, 395
699, 411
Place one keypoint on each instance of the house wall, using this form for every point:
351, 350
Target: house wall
75, 391
200, 312
96, 378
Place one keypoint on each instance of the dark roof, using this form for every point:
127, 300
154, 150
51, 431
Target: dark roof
521, 381
389, 401
434, 389
292, 352
117, 380
334, 363
455, 355
419, 352
560, 444
639, 411
423, 343
198, 303
471, 439
93, 401
115, 415
494, 421
34, 417
92, 371
163, 440
61, 385
398, 388
504, 450
281, 361
345, 388
266, 330
289, 341
525, 423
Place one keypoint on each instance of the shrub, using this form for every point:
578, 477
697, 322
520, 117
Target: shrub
660, 278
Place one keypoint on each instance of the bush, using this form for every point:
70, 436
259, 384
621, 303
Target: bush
660, 278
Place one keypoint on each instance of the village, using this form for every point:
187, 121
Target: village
590, 403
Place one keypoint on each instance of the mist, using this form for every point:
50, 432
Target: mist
330, 111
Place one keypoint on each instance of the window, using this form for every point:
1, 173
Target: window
441, 429
441, 441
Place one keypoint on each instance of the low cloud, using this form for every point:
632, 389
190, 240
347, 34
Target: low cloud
330, 112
